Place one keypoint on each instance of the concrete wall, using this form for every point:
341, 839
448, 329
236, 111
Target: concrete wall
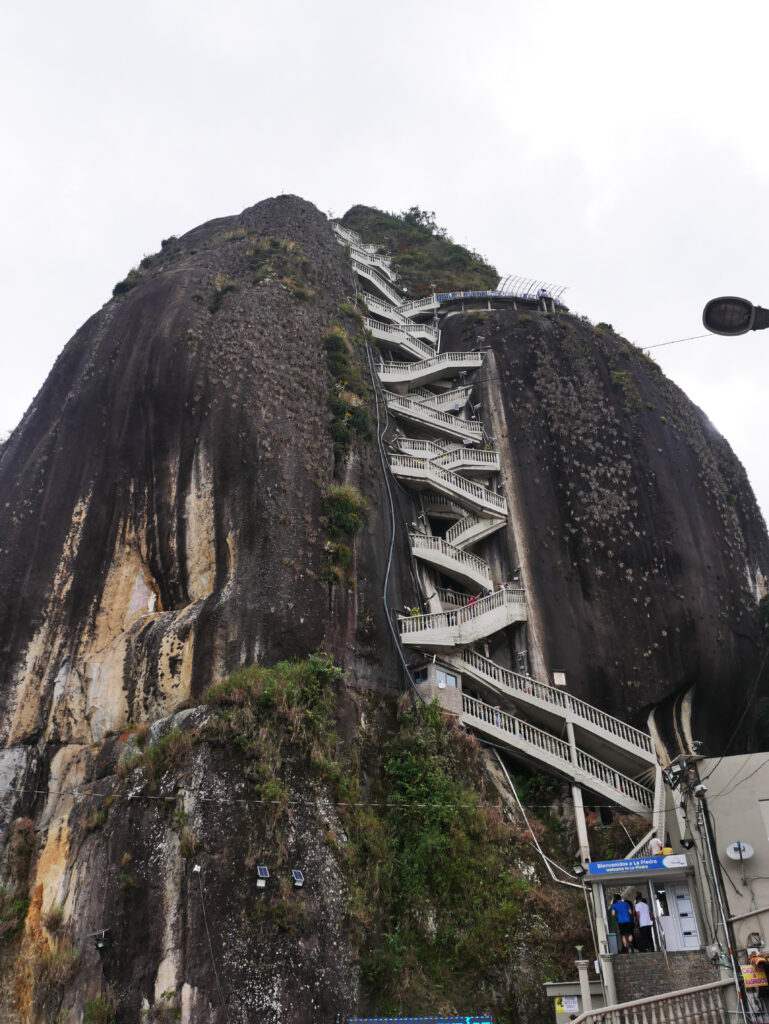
648, 974
736, 787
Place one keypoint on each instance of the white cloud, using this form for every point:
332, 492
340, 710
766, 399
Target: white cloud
616, 149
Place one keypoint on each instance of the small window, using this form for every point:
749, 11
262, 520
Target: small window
420, 676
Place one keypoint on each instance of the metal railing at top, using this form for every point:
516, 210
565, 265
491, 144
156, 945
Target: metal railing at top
439, 298
428, 470
556, 747
426, 412
371, 275
427, 542
451, 619
528, 687
703, 1004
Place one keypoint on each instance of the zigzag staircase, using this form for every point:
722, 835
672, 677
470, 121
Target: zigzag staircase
441, 452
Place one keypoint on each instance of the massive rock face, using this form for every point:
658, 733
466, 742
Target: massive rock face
161, 524
642, 546
161, 498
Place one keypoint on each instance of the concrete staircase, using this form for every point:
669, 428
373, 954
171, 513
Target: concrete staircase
442, 461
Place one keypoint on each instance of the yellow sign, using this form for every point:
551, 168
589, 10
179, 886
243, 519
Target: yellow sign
753, 975
567, 1004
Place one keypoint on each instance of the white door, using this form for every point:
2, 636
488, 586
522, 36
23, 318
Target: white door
676, 916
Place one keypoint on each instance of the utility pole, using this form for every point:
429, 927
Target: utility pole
721, 898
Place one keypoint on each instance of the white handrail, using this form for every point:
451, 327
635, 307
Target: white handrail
522, 730
371, 275
367, 256
616, 780
467, 456
600, 772
449, 620
447, 360
407, 339
452, 597
456, 396
430, 471
426, 542
385, 308
426, 412
461, 526
528, 687
700, 1003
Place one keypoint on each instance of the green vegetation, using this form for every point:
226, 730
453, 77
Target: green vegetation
345, 509
54, 967
623, 380
54, 917
132, 278
436, 896
100, 1010
350, 418
423, 253
273, 713
279, 259
13, 911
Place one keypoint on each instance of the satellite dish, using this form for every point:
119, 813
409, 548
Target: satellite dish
739, 851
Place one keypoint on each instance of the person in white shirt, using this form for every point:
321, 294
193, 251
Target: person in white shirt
644, 921
655, 845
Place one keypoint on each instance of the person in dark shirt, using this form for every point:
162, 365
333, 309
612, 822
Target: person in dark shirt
625, 916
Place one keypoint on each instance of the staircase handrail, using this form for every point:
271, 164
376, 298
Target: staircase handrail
375, 258
409, 445
434, 500
368, 272
710, 1010
478, 455
470, 426
423, 347
461, 526
347, 233
591, 766
615, 779
451, 397
498, 501
429, 542
527, 686
424, 365
503, 720
448, 620
387, 308
448, 596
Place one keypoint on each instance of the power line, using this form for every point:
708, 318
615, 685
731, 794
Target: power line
210, 946
676, 341
81, 790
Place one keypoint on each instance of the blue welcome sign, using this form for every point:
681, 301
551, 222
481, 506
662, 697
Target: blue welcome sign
625, 867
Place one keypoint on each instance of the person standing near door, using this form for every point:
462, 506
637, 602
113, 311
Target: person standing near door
625, 915
644, 920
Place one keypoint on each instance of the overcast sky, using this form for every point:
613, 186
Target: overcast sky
617, 149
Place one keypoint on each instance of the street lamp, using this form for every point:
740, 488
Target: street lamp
731, 315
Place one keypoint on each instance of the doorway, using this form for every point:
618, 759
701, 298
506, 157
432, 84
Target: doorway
675, 914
